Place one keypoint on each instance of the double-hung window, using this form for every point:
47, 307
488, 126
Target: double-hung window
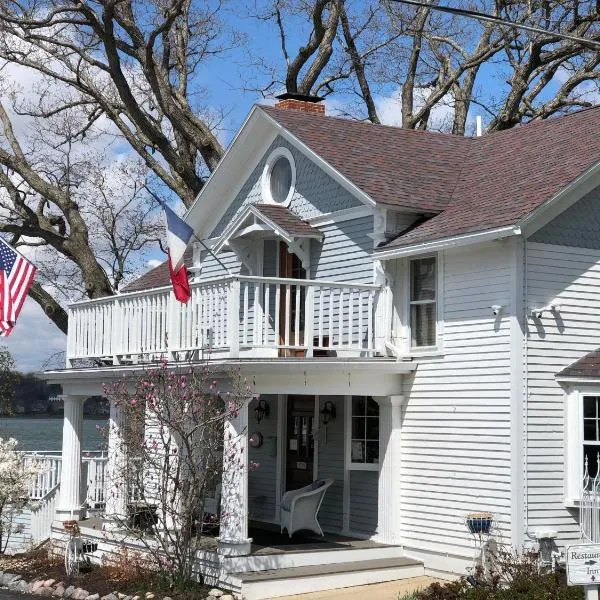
423, 302
591, 434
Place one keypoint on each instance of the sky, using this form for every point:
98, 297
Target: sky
225, 83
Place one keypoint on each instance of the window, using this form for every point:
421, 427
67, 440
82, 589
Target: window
364, 446
279, 177
591, 433
423, 305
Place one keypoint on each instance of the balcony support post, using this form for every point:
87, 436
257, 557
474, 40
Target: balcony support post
309, 320
233, 318
383, 309
390, 423
233, 533
70, 498
116, 490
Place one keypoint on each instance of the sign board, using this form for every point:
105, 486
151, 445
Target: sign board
583, 564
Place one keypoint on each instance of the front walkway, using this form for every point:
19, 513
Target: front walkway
390, 590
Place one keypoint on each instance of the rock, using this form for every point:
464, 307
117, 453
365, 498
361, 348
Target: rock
121, 595
49, 582
94, 597
69, 591
36, 585
167, 598
13, 584
215, 593
149, 596
227, 597
80, 594
111, 596
137, 598
59, 591
22, 586
45, 591
8, 577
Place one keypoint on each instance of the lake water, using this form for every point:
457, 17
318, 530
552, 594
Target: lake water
44, 433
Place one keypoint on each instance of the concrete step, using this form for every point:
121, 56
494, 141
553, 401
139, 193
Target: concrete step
302, 580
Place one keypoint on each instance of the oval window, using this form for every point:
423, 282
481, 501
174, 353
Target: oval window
280, 180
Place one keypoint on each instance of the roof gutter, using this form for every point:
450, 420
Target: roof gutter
450, 242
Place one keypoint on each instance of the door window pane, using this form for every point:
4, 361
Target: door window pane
365, 431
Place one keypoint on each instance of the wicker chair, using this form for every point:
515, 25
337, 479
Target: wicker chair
299, 508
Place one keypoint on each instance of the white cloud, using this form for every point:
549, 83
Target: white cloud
34, 339
153, 262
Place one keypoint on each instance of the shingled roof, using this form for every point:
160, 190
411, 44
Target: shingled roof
586, 367
473, 184
158, 276
285, 219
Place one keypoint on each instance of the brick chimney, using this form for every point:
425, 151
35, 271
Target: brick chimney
311, 104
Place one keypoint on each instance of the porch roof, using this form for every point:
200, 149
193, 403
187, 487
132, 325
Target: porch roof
284, 375
587, 367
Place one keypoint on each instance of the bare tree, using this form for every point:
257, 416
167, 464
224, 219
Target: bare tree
127, 72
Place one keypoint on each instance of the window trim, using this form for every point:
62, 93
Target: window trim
266, 176
355, 466
437, 347
574, 440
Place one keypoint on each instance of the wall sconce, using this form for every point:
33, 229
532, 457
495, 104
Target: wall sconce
262, 410
328, 412
496, 309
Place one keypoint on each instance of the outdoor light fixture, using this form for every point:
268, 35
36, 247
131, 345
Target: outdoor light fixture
262, 410
496, 309
328, 412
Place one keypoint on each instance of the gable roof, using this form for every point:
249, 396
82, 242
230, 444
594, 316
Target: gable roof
288, 221
586, 367
473, 184
158, 276
398, 167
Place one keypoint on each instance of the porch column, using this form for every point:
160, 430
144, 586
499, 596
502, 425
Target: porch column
70, 501
388, 511
115, 491
233, 533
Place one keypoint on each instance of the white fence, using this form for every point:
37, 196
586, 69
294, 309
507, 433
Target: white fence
232, 317
589, 509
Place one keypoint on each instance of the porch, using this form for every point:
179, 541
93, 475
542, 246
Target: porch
229, 317
308, 563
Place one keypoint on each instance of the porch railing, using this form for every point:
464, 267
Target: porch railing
230, 317
49, 467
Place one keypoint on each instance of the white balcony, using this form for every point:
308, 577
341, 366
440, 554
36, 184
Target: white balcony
233, 317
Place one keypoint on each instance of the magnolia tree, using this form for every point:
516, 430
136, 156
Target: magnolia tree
16, 476
166, 458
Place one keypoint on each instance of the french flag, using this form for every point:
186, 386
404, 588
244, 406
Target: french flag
179, 234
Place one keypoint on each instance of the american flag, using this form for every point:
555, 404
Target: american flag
16, 276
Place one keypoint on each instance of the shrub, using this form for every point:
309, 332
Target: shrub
515, 577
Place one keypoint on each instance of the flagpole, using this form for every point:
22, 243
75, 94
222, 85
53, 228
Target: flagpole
214, 255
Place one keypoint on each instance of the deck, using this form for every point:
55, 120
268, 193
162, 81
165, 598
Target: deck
231, 317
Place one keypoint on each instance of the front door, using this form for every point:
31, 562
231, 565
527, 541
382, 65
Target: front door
300, 442
291, 329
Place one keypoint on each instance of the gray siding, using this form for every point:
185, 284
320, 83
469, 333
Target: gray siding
345, 254
578, 226
262, 481
331, 466
315, 194
456, 435
570, 276
363, 502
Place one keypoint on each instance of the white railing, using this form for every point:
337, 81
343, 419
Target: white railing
589, 508
231, 317
48, 465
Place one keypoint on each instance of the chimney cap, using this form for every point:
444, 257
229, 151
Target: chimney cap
301, 97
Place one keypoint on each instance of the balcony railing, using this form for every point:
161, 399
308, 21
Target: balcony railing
237, 316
